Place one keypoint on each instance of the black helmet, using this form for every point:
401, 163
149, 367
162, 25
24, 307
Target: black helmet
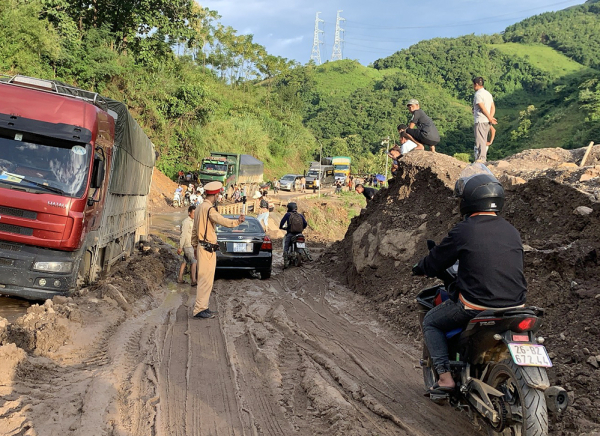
479, 190
292, 207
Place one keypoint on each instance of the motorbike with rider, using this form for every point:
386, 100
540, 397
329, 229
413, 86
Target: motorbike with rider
294, 243
480, 350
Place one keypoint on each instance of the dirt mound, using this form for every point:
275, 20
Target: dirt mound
559, 223
161, 191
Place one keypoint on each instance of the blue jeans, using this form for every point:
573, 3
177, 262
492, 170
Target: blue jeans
439, 320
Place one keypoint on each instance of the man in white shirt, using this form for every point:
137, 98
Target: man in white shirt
484, 110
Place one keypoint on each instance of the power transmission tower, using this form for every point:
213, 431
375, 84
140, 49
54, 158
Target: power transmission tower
336, 55
316, 51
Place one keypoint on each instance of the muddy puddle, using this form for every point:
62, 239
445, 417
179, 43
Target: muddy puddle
12, 308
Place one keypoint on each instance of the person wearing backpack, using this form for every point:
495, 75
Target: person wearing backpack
295, 224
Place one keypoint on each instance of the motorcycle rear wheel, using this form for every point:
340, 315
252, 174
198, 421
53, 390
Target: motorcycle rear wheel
509, 379
298, 259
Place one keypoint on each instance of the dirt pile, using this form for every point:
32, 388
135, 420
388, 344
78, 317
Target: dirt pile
558, 217
161, 191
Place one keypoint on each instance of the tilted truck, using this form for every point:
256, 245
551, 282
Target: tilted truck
232, 169
341, 167
75, 173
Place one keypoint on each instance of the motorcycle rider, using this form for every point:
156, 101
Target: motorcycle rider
490, 271
291, 221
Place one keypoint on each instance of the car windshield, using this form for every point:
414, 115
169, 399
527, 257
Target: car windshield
288, 178
57, 168
248, 226
214, 167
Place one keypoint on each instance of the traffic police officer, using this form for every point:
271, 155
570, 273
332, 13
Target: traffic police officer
204, 240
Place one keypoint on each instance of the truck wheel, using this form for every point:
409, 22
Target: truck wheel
83, 274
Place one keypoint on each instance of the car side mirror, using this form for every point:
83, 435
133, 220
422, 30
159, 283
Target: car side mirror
97, 174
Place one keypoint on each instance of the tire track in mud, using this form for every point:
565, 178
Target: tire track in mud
310, 359
196, 386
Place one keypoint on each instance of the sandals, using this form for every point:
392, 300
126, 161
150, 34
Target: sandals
436, 389
194, 284
181, 282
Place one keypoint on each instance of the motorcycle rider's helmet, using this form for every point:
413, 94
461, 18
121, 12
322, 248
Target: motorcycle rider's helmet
292, 207
478, 190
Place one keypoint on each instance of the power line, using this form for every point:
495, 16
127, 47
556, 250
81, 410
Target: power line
479, 21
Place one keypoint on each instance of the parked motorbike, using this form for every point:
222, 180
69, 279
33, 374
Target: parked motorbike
499, 366
177, 200
297, 252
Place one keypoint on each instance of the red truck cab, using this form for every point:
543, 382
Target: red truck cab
55, 146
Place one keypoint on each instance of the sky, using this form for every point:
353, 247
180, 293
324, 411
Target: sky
373, 28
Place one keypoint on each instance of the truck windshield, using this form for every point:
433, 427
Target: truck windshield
313, 174
55, 168
214, 167
342, 167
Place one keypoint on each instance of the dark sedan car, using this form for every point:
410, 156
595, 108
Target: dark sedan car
245, 247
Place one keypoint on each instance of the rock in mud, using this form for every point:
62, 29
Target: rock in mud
583, 210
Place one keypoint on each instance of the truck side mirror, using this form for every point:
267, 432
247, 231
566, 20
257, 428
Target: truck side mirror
97, 174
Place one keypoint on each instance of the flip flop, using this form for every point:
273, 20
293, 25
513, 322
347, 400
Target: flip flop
440, 390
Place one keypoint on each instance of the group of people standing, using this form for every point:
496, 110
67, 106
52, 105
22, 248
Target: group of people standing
421, 130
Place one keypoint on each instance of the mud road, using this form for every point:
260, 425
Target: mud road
297, 354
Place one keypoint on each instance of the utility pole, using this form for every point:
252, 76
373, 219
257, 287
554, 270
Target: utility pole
386, 142
336, 55
316, 51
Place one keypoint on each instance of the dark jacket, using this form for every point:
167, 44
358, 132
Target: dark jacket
490, 255
286, 218
369, 193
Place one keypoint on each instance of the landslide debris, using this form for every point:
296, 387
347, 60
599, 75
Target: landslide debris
556, 210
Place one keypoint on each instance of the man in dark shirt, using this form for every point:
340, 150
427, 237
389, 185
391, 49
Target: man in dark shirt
490, 271
421, 128
369, 193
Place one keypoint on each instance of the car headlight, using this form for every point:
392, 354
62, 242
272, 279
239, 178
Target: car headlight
56, 267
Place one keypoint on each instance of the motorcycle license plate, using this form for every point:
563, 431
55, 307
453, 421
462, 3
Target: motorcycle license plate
242, 247
301, 244
530, 355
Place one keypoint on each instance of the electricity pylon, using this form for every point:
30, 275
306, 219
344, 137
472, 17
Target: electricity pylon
316, 51
336, 55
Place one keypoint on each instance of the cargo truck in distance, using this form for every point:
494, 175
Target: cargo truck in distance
75, 173
341, 167
232, 169
319, 175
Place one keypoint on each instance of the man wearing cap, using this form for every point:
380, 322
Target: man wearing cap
421, 128
204, 240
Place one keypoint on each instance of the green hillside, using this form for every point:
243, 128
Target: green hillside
542, 57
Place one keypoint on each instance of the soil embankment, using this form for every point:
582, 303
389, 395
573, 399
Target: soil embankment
550, 200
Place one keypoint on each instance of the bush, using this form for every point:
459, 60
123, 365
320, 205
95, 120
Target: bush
465, 157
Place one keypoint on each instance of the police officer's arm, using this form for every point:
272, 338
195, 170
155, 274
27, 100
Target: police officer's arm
219, 219
441, 256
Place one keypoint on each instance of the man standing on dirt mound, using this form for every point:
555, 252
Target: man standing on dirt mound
490, 270
204, 240
484, 110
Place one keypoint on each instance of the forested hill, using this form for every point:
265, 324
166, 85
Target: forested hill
542, 73
197, 86
188, 80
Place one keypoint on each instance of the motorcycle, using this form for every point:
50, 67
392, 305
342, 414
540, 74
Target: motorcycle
297, 252
177, 200
498, 364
